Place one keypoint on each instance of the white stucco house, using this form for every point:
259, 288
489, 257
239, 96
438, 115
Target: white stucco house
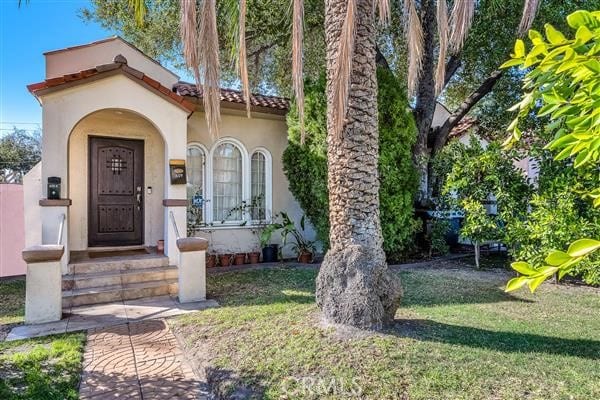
129, 142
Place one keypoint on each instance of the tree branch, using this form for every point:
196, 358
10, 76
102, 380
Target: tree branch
453, 64
441, 136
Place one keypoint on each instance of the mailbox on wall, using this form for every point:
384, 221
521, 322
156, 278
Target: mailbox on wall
177, 170
53, 188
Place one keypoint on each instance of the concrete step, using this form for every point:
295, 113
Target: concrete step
117, 277
117, 292
112, 264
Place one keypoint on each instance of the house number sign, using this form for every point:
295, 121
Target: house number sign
177, 169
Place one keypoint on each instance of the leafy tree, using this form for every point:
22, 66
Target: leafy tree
354, 285
472, 81
19, 152
561, 83
479, 176
306, 165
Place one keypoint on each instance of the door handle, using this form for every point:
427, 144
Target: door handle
138, 197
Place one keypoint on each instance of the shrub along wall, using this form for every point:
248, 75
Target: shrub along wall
306, 166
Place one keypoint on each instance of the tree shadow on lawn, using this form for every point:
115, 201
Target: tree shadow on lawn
507, 342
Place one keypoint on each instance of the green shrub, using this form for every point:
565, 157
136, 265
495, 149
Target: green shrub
439, 229
306, 166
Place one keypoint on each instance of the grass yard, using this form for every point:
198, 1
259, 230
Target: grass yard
457, 336
35, 369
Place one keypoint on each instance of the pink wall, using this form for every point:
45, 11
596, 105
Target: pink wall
12, 230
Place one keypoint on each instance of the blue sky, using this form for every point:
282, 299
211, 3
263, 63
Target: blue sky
26, 33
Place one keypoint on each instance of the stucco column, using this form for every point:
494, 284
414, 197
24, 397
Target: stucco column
192, 269
43, 289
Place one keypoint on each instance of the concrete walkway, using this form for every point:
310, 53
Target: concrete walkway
102, 315
139, 360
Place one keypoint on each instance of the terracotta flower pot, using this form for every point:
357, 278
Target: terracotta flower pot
254, 257
211, 260
239, 259
225, 260
305, 257
160, 247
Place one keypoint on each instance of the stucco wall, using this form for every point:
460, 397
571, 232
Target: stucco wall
119, 124
262, 130
12, 230
62, 112
32, 193
80, 58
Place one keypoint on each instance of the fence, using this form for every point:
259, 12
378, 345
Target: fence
12, 230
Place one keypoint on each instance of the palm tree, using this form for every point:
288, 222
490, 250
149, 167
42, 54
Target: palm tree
354, 285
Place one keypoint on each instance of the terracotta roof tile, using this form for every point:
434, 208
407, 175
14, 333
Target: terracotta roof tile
122, 66
466, 124
234, 96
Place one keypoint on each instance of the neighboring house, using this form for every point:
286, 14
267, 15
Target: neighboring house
119, 127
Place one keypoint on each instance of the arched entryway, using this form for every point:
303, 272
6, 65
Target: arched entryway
116, 181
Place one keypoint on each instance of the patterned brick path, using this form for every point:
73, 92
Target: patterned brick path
140, 360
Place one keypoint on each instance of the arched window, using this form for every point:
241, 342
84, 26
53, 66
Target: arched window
227, 177
195, 184
258, 186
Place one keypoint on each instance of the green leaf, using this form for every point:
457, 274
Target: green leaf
557, 258
580, 18
534, 283
554, 36
583, 35
515, 283
583, 247
511, 63
519, 50
535, 37
523, 268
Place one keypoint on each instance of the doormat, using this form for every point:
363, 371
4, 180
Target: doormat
117, 253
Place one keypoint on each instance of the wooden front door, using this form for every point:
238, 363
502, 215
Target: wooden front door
116, 203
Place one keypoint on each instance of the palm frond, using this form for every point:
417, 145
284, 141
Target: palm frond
343, 70
209, 66
383, 8
460, 23
297, 62
188, 28
139, 9
442, 24
414, 38
242, 58
530, 9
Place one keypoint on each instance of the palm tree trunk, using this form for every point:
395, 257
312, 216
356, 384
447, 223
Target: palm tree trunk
354, 286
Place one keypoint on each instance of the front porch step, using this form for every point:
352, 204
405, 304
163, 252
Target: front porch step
118, 277
117, 264
117, 292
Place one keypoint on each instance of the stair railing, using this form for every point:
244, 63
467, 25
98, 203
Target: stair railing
61, 228
174, 224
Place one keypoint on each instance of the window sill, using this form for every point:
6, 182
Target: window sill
223, 227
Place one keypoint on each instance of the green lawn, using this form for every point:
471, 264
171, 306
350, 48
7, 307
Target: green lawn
457, 336
12, 301
35, 369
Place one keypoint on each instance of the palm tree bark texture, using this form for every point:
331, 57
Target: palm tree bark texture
354, 286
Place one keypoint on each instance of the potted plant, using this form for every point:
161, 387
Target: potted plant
211, 260
269, 250
254, 257
225, 259
239, 259
303, 248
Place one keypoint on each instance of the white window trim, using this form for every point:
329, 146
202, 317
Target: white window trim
246, 182
245, 178
204, 150
268, 181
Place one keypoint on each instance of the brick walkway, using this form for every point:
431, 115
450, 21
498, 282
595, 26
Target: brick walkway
140, 360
